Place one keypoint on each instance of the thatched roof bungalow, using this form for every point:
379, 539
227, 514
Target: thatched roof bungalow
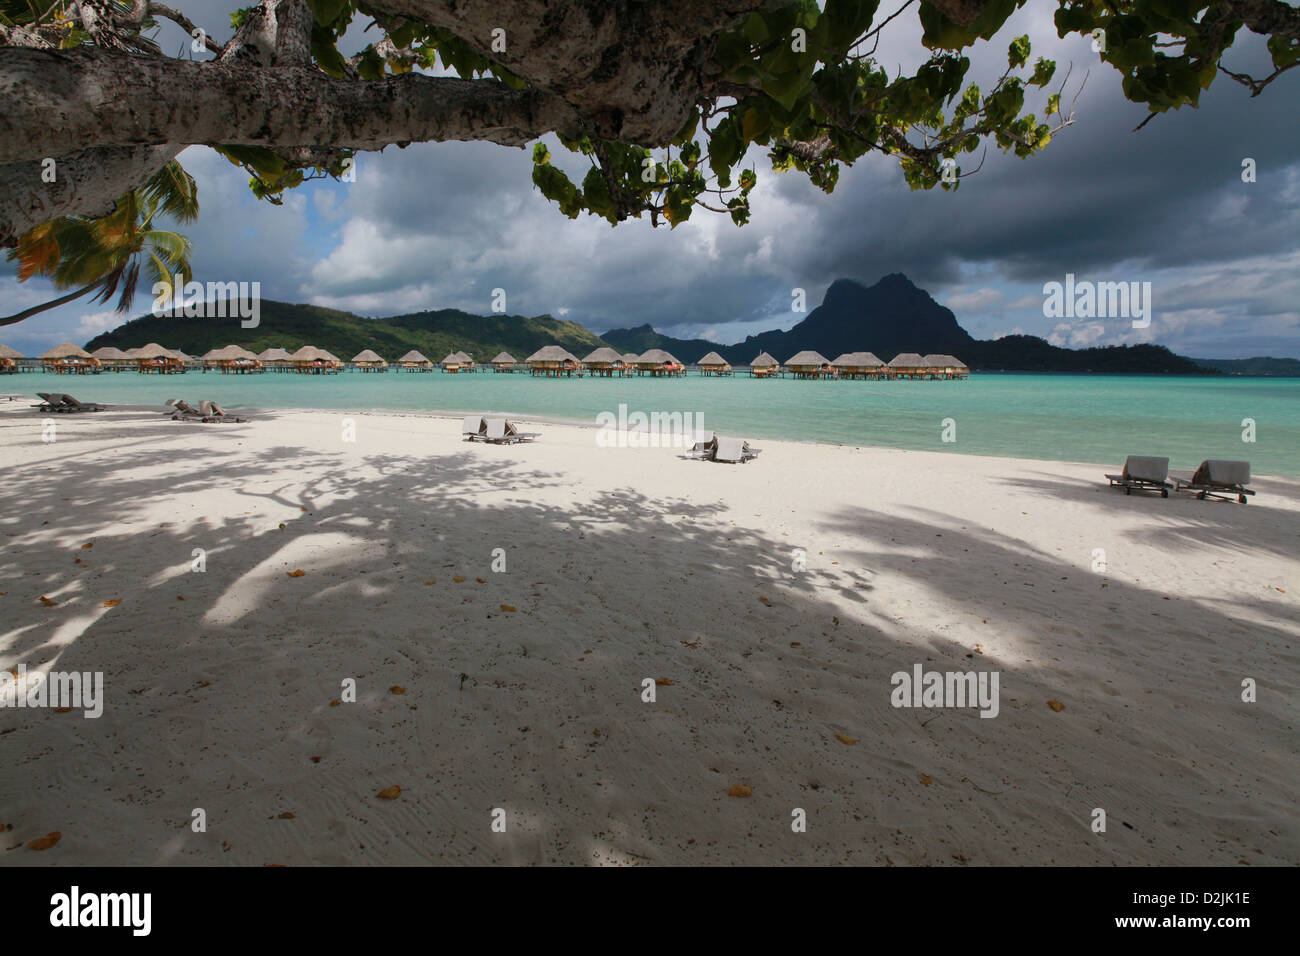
369, 361
504, 362
604, 362
553, 361
9, 360
467, 363
414, 361
858, 365
658, 363
714, 364
153, 359
275, 360
763, 366
67, 358
111, 358
946, 366
452, 362
809, 364
906, 365
233, 360
310, 360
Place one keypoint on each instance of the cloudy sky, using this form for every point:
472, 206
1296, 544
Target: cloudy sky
442, 225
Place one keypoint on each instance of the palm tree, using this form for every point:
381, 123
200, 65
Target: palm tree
107, 254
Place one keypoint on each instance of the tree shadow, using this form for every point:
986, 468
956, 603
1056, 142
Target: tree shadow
520, 696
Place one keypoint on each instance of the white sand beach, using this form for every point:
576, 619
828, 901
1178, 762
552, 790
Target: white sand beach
622, 565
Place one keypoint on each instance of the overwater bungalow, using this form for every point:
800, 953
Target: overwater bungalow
69, 359
276, 360
906, 365
451, 363
553, 362
413, 361
660, 364
113, 359
504, 362
9, 358
764, 366
153, 359
946, 367
369, 361
188, 362
714, 364
809, 364
310, 360
604, 362
233, 360
858, 365
467, 363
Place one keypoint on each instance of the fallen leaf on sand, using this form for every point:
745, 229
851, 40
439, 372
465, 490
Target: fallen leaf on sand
431, 581
459, 580
508, 608
796, 644
315, 759
335, 702
397, 689
287, 815
47, 602
846, 739
480, 581
766, 601
297, 574
180, 597
1056, 705
87, 546
62, 710
113, 603
925, 780
390, 793
302, 507
663, 682
45, 842
740, 790
206, 683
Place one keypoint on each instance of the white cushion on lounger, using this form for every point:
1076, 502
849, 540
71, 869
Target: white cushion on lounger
1146, 468
1227, 472
729, 449
496, 429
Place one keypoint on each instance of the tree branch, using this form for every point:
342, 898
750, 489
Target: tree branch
59, 102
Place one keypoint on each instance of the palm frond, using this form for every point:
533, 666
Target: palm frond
174, 191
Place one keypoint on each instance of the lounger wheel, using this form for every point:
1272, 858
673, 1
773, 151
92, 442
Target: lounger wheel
1241, 499
1164, 492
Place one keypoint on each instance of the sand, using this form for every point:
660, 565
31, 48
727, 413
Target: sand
623, 565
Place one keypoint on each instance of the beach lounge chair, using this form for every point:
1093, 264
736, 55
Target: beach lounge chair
703, 450
50, 402
1144, 473
212, 412
733, 450
75, 406
495, 431
472, 427
184, 411
1217, 478
514, 434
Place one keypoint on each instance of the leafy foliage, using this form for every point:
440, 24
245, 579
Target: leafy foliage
76, 251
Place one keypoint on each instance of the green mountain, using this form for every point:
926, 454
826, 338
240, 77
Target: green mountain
288, 326
895, 316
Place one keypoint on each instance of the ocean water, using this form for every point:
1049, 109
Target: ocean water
1091, 418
